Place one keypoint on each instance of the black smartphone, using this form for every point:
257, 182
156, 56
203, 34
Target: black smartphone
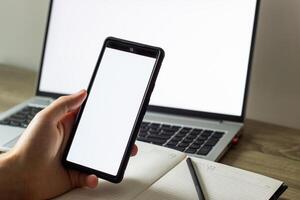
109, 119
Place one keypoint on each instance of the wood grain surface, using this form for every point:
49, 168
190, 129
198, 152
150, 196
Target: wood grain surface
16, 85
263, 148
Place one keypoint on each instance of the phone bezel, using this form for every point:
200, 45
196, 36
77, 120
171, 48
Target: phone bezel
131, 47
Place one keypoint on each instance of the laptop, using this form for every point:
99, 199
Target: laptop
198, 104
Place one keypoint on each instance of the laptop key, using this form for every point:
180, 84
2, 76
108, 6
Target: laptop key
192, 137
143, 134
183, 144
176, 139
204, 137
170, 130
195, 146
189, 150
158, 142
201, 138
178, 135
167, 133
172, 146
218, 134
143, 131
195, 133
154, 125
198, 129
166, 126
176, 127
186, 129
204, 150
153, 132
207, 133
144, 128
199, 142
181, 134
187, 140
172, 143
145, 124
212, 142
179, 148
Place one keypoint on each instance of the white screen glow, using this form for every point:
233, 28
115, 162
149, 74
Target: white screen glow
207, 45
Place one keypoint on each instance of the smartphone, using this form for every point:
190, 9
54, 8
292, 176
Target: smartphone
108, 122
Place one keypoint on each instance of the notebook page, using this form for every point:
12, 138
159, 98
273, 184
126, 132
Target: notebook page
177, 184
246, 185
148, 166
218, 181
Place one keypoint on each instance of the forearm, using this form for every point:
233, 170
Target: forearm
12, 183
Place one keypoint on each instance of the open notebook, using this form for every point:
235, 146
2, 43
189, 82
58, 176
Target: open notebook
162, 173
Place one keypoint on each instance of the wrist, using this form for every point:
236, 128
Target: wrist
12, 178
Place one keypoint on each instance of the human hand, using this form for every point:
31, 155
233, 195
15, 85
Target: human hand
36, 158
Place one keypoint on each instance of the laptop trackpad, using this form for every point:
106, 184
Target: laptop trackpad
8, 133
12, 143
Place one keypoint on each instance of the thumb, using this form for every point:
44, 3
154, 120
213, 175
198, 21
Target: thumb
65, 104
79, 179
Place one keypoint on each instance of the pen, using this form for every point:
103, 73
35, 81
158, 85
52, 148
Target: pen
195, 179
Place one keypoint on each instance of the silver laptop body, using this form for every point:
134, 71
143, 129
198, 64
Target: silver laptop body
72, 43
10, 134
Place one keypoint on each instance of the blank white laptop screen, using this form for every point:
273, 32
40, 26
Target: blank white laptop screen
115, 98
207, 45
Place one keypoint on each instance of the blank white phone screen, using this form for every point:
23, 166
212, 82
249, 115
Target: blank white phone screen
111, 110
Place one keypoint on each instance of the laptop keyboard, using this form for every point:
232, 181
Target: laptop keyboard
185, 139
21, 118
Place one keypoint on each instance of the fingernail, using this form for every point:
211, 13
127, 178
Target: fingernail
80, 92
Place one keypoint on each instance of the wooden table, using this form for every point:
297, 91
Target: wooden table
264, 148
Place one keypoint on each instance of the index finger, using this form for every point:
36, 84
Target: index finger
57, 109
